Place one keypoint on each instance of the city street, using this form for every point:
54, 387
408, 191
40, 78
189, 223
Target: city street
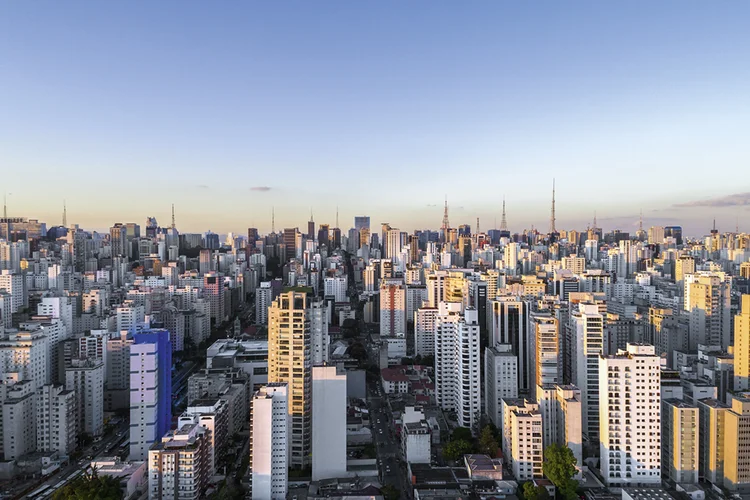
387, 444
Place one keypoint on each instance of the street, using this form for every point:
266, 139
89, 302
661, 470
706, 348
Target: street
386, 442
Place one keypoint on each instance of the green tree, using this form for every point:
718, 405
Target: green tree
462, 433
531, 492
428, 360
456, 449
560, 467
390, 493
90, 487
487, 442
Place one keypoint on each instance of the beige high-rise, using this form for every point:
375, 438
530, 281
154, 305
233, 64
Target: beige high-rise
742, 347
290, 362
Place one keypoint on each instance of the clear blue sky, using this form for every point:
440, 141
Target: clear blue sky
123, 108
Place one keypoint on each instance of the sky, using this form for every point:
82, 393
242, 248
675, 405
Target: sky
381, 108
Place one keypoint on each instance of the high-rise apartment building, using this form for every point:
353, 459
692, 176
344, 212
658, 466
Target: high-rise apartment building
707, 300
15, 285
630, 417
737, 444
19, 420
25, 356
290, 362
329, 422
711, 442
683, 266
424, 331
150, 390
263, 298
742, 346
544, 332
457, 364
587, 330
56, 422
679, 442
560, 406
117, 372
85, 377
179, 464
392, 308
320, 340
522, 439
509, 325
336, 287
270, 441
500, 380
213, 415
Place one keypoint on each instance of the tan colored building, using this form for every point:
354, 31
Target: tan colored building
179, 465
290, 362
712, 416
737, 445
682, 266
742, 347
679, 439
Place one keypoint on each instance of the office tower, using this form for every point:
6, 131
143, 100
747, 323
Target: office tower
680, 438
290, 241
14, 284
522, 438
56, 422
392, 308
85, 377
587, 329
457, 364
683, 266
630, 417
392, 246
213, 415
270, 441
335, 240
25, 356
424, 331
335, 287
509, 325
708, 302
263, 298
150, 390
329, 422
544, 332
674, 232
178, 464
290, 362
311, 228
117, 375
414, 248
213, 288
742, 346
737, 444
500, 380
19, 420
324, 238
205, 264
361, 222
118, 240
320, 341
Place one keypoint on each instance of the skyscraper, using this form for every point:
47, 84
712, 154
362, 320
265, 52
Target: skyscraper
290, 362
630, 417
707, 300
509, 325
270, 442
150, 390
329, 419
742, 346
587, 344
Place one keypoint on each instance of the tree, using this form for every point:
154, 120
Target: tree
390, 493
90, 486
531, 492
462, 433
456, 449
560, 467
428, 360
487, 442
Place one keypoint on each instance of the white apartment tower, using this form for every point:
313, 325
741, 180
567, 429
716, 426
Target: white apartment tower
269, 442
560, 406
19, 420
424, 331
25, 354
522, 438
85, 377
56, 422
587, 328
500, 380
329, 422
457, 383
630, 417
263, 300
336, 287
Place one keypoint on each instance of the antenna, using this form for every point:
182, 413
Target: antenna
311, 215
594, 219
5, 206
273, 219
446, 224
640, 222
173, 226
65, 215
552, 214
337, 216
503, 221
477, 225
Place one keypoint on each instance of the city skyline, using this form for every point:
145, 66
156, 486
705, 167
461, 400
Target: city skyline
225, 112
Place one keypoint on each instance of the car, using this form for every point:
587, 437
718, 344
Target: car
380, 430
